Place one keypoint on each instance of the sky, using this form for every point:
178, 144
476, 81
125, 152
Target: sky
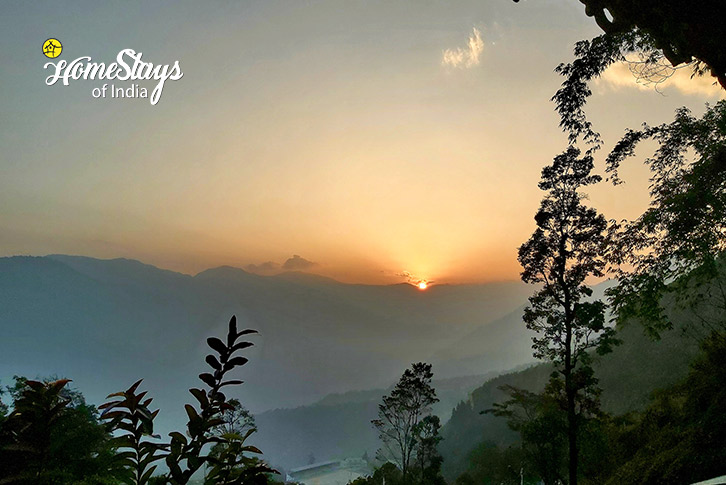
369, 141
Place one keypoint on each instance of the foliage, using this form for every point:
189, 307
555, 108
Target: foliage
542, 426
184, 455
592, 57
132, 419
402, 423
657, 32
493, 465
678, 438
683, 32
682, 235
428, 459
565, 250
386, 474
238, 424
52, 436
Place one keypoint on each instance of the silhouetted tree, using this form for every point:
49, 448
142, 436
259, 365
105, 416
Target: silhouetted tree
683, 32
566, 249
542, 426
676, 246
428, 458
51, 436
401, 412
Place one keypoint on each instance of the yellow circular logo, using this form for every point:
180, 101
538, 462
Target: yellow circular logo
52, 48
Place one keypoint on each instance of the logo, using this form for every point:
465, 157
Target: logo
128, 67
52, 48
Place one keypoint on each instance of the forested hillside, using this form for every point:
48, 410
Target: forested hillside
628, 377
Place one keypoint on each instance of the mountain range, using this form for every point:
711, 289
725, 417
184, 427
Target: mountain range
107, 323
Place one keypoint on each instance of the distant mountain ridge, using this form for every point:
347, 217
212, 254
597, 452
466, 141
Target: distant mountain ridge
106, 323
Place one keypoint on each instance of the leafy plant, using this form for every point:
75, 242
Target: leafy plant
131, 415
187, 453
217, 428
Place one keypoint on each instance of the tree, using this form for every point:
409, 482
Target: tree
428, 458
52, 436
235, 419
678, 438
542, 426
683, 32
492, 465
676, 246
400, 415
565, 250
230, 452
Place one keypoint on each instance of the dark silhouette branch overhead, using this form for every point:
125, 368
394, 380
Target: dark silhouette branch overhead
684, 31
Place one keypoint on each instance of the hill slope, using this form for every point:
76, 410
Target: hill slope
627, 376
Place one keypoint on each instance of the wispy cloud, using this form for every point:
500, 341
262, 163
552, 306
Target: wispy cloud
621, 76
465, 57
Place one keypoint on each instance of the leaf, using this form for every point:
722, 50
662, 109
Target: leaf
134, 386
236, 362
176, 435
208, 379
232, 382
213, 362
192, 413
217, 345
232, 333
116, 394
201, 397
145, 477
241, 345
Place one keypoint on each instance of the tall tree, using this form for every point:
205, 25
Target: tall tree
565, 250
400, 415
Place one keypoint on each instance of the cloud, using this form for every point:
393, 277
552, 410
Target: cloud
465, 57
267, 267
412, 278
296, 263
625, 76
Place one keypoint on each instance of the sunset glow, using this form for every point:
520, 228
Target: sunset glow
404, 154
422, 285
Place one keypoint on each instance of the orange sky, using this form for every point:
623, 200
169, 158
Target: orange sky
375, 139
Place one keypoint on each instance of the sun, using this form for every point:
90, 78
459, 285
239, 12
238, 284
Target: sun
422, 285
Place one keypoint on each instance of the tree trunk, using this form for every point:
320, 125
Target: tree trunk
572, 437
570, 394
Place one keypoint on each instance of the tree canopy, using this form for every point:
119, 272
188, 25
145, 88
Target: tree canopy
683, 31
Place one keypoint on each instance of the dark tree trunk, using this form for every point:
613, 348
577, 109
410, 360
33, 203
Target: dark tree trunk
570, 395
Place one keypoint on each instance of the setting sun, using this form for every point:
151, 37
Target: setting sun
422, 285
